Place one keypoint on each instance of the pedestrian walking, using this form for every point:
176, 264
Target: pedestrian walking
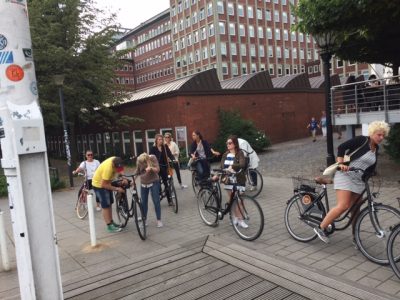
313, 126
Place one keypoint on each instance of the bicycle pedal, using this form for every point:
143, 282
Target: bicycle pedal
220, 215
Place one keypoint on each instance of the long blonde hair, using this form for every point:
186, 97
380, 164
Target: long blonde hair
144, 159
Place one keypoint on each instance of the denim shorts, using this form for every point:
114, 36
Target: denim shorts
105, 196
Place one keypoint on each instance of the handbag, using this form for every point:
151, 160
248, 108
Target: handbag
331, 170
170, 171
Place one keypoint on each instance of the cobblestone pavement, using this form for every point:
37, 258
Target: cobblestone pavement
300, 157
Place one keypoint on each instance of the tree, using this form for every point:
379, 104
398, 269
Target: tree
366, 30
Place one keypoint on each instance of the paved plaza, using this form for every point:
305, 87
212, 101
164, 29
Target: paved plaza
338, 260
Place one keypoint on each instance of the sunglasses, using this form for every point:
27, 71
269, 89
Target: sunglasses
89, 154
229, 143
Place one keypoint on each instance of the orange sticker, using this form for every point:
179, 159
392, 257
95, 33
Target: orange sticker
15, 73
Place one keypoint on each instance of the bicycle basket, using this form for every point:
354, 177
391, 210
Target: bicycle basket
305, 185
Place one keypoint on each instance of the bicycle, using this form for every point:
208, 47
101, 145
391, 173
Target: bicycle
81, 207
244, 208
306, 210
254, 180
173, 201
135, 209
197, 183
393, 248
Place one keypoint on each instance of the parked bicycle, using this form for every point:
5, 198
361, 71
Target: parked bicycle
240, 208
81, 207
393, 248
132, 210
306, 210
254, 180
197, 183
173, 201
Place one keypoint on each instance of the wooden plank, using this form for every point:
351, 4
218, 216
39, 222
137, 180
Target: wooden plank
149, 278
233, 288
310, 276
277, 293
296, 297
256, 290
116, 275
178, 286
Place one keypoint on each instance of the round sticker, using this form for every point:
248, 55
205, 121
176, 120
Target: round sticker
15, 73
3, 42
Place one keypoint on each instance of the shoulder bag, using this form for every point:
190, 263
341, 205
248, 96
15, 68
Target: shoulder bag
331, 170
170, 171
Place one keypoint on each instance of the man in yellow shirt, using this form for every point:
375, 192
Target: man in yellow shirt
103, 188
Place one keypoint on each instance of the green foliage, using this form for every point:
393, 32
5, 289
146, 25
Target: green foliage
73, 38
3, 186
183, 158
366, 30
56, 184
392, 146
232, 123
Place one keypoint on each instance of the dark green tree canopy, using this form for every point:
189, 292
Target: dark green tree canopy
366, 30
74, 38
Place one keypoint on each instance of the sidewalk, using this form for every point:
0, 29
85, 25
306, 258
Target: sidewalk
338, 259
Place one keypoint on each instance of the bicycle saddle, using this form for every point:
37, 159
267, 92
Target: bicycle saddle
323, 180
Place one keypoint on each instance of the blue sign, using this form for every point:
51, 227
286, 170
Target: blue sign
3, 42
6, 57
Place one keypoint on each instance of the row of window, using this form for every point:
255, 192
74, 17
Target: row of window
124, 80
154, 60
206, 52
160, 42
151, 33
155, 75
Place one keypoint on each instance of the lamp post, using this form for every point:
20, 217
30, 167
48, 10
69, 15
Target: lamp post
59, 81
325, 42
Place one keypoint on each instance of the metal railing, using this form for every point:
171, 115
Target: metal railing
377, 95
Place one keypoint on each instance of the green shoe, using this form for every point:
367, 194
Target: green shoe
112, 228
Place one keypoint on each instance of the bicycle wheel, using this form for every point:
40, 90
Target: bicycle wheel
297, 227
372, 244
253, 188
208, 207
174, 197
195, 184
393, 250
218, 189
247, 218
140, 220
81, 207
122, 208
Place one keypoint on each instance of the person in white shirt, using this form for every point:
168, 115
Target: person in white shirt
89, 166
173, 147
253, 158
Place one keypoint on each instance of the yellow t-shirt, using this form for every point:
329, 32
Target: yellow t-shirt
104, 172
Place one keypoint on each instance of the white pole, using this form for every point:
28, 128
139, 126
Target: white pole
3, 245
92, 228
24, 159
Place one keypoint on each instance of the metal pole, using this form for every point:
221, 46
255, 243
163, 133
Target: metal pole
3, 244
92, 228
330, 158
66, 139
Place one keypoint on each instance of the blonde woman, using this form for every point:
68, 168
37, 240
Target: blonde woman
148, 168
349, 184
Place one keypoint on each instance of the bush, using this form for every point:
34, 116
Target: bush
232, 123
56, 184
3, 186
392, 146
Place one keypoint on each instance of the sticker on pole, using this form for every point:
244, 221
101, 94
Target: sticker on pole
14, 73
27, 53
6, 57
3, 42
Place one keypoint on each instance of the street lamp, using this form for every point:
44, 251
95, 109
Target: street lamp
325, 42
59, 81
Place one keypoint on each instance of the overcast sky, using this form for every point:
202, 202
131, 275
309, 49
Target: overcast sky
133, 12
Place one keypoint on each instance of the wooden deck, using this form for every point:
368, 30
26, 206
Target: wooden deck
209, 269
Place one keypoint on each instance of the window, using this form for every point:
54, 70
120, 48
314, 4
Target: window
278, 52
292, 19
294, 53
339, 63
316, 69
308, 38
235, 70
271, 70
269, 33
241, 30
211, 31
294, 69
196, 36
244, 68
260, 32
209, 9
277, 34
221, 28
286, 52
190, 58
261, 51
126, 143
232, 30
287, 70
187, 22
301, 37
302, 54
259, 14
270, 51
233, 49
293, 36
212, 50
189, 40
240, 10
220, 7
201, 14
197, 56
268, 16
223, 48
150, 138
302, 69
251, 31
252, 50
310, 70
279, 70
284, 17
262, 67
253, 68
243, 51
250, 12
315, 54
203, 33
308, 54
224, 68
205, 52
276, 16
285, 35
194, 18
179, 7
231, 9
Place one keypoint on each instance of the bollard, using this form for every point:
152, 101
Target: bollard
3, 245
92, 228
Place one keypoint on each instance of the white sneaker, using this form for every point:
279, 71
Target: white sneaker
233, 220
183, 186
242, 224
159, 224
98, 208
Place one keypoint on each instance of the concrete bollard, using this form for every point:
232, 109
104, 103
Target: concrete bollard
92, 228
3, 244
